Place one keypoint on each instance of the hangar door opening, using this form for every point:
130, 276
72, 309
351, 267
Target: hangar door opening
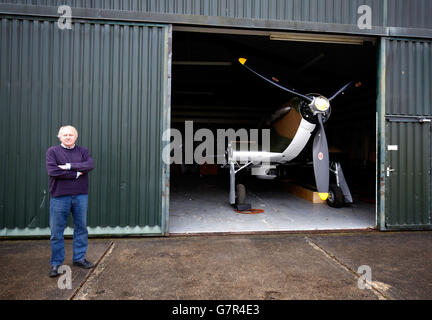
214, 93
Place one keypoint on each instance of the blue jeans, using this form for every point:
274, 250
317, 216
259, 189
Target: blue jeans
59, 212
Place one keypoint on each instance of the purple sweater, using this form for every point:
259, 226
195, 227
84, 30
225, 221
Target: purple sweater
65, 182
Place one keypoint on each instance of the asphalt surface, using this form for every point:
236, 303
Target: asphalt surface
219, 267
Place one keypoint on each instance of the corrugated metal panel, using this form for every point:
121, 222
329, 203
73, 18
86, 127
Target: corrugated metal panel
327, 11
109, 81
408, 187
410, 14
407, 103
389, 17
409, 77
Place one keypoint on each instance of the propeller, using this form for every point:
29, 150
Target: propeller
321, 160
243, 62
341, 90
318, 105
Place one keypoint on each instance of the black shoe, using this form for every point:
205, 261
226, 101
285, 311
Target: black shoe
83, 264
54, 271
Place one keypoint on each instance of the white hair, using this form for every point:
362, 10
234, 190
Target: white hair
67, 127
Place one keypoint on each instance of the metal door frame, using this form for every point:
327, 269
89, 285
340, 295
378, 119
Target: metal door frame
380, 147
166, 119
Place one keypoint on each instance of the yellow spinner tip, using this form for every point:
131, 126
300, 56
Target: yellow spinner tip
242, 60
323, 196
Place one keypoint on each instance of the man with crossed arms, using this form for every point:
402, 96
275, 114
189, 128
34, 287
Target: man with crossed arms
68, 165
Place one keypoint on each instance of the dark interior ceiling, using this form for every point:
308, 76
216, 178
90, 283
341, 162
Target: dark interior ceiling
211, 88
227, 94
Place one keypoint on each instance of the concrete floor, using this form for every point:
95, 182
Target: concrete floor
220, 267
24, 268
201, 205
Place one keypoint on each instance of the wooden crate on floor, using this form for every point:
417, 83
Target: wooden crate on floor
303, 192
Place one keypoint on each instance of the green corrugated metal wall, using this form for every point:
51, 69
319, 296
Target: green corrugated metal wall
408, 187
391, 13
108, 80
408, 108
409, 77
329, 11
44, 76
410, 14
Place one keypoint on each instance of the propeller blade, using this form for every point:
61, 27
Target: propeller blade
341, 90
243, 62
321, 160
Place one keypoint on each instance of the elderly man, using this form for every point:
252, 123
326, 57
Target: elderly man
68, 166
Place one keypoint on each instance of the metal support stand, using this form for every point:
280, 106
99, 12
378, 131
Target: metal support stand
336, 168
232, 183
